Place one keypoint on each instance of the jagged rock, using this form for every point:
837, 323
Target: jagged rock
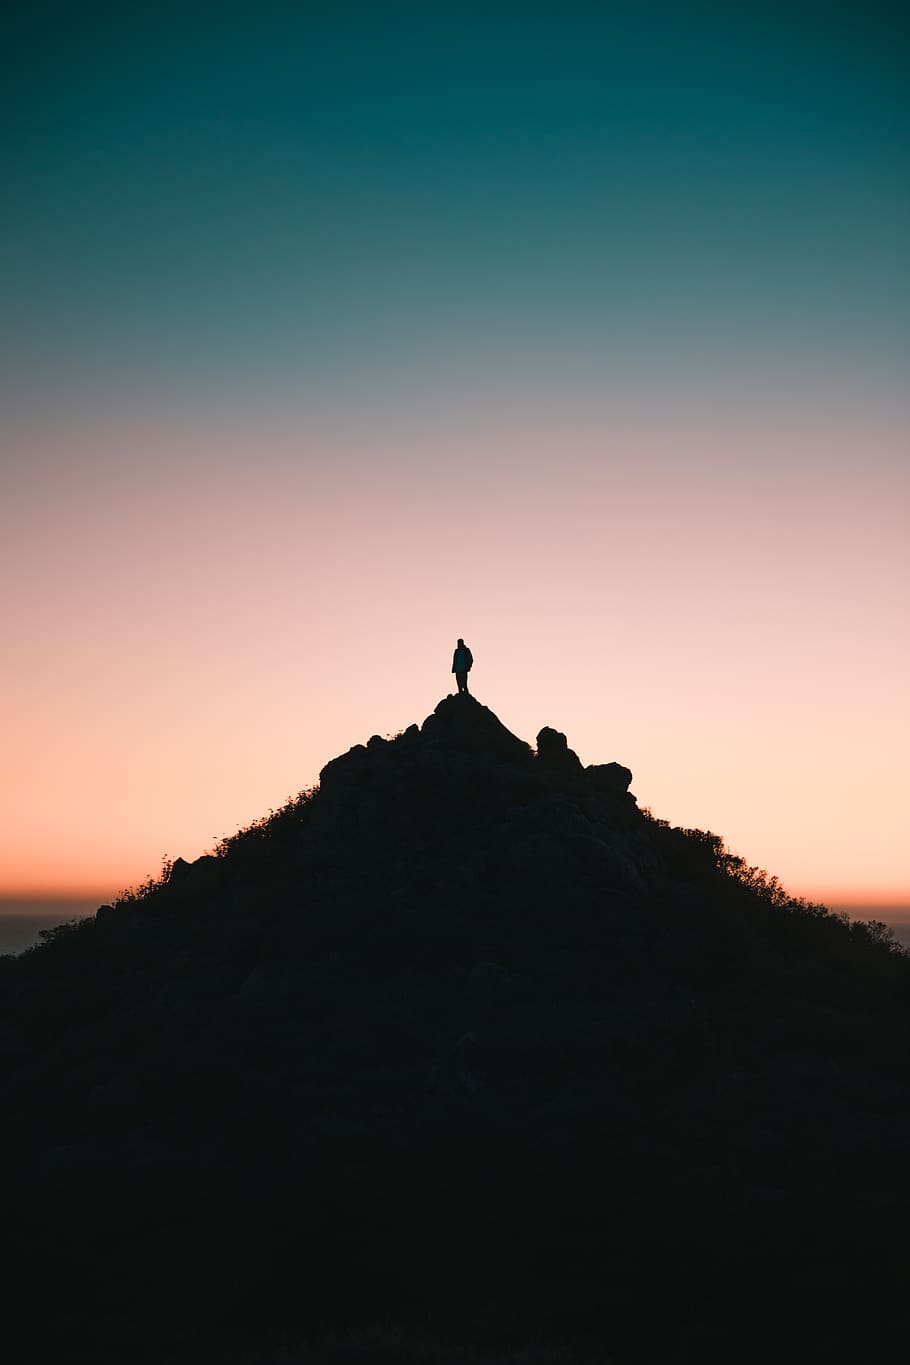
345, 770
609, 777
460, 724
553, 751
200, 876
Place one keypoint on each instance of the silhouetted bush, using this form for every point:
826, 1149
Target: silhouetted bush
279, 825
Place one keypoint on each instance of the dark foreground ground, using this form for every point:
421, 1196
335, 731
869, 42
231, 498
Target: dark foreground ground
463, 1057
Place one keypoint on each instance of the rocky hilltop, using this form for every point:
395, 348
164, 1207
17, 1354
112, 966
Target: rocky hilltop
464, 1042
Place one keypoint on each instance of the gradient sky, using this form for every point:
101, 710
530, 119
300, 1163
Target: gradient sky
579, 330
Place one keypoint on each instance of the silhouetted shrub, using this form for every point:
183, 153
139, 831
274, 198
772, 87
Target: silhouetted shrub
276, 826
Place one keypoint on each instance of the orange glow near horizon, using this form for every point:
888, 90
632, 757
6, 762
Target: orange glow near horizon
203, 617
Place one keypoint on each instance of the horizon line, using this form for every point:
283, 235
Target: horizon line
854, 905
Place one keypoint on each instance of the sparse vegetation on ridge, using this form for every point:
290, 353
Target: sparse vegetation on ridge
465, 1042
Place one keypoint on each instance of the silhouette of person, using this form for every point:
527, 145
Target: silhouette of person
461, 665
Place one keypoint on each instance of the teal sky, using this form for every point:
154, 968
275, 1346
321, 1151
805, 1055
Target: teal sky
366, 199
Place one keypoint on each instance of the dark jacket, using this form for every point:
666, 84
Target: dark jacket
462, 660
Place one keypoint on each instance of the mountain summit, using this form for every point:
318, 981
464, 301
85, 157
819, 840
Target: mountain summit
465, 1043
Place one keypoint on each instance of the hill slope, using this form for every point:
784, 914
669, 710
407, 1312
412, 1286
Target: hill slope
462, 1038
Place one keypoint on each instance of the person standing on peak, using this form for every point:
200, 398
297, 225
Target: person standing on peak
461, 665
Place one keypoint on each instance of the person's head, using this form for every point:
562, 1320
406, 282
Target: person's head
461, 644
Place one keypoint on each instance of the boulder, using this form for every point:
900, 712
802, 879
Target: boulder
201, 877
609, 777
461, 725
179, 871
553, 751
347, 769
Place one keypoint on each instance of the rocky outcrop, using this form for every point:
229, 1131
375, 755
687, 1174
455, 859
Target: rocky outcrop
460, 724
553, 752
612, 778
200, 877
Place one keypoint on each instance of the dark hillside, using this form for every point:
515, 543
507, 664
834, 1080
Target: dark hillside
462, 1041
